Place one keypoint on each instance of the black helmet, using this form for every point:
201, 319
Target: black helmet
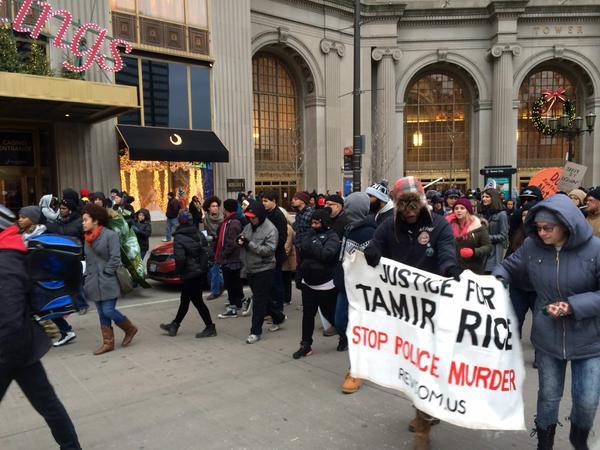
7, 218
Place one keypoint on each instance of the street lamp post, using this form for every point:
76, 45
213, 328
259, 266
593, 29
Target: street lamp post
561, 125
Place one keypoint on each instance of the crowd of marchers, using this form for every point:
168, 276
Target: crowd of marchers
544, 250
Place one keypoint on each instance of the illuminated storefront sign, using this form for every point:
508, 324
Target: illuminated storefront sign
90, 54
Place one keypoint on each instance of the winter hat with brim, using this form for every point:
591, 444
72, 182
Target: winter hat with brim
379, 190
185, 216
256, 209
466, 203
7, 218
545, 215
407, 188
594, 192
334, 198
33, 213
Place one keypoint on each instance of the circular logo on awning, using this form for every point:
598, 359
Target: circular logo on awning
175, 139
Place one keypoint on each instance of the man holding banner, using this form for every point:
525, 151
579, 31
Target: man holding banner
415, 237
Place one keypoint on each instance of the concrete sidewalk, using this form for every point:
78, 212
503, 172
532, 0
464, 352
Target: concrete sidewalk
220, 393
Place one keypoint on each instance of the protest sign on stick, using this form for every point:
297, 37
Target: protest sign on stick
452, 347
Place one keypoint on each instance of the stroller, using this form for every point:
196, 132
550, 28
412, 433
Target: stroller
54, 265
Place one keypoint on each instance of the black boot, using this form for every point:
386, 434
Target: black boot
545, 437
209, 331
578, 437
342, 343
171, 328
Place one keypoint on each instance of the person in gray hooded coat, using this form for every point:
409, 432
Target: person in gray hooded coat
561, 259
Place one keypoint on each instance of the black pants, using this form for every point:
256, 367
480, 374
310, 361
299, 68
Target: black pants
37, 388
233, 283
191, 291
288, 277
311, 301
261, 283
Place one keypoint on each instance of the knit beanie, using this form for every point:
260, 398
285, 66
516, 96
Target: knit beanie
466, 203
69, 203
302, 196
379, 191
545, 215
33, 213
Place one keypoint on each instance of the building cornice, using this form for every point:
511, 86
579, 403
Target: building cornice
375, 11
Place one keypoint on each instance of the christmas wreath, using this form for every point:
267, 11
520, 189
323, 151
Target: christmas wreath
547, 102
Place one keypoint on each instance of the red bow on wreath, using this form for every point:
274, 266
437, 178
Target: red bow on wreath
551, 97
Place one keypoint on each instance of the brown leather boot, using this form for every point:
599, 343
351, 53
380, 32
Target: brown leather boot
130, 331
108, 340
422, 426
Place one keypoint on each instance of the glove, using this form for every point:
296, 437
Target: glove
558, 309
454, 272
466, 252
372, 255
503, 281
242, 240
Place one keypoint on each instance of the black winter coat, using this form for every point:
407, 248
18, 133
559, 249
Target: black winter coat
22, 341
173, 207
191, 252
320, 251
67, 226
338, 224
278, 219
143, 231
427, 245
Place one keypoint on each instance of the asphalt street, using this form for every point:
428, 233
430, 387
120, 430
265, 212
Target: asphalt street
221, 393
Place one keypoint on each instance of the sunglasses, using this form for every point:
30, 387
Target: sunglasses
545, 228
404, 205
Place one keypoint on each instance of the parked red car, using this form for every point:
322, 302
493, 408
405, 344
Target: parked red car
161, 264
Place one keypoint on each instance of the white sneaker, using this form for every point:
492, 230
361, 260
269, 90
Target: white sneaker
253, 339
247, 306
277, 326
230, 312
65, 339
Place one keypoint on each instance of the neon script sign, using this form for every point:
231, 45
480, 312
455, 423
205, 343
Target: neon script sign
88, 55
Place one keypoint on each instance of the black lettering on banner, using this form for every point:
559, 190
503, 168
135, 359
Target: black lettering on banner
364, 289
466, 326
470, 321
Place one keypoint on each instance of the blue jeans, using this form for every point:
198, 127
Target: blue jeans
171, 225
216, 279
341, 313
585, 389
108, 312
81, 302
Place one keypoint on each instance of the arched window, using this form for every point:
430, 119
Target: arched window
276, 127
533, 148
437, 123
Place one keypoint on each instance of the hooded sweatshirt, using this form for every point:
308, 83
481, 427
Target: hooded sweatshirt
570, 273
47, 212
258, 254
358, 233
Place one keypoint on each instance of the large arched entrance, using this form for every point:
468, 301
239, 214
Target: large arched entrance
534, 149
437, 126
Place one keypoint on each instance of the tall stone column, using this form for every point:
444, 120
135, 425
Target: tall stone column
504, 120
387, 163
333, 51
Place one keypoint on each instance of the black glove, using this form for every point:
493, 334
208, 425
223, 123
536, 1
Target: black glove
372, 255
454, 272
242, 240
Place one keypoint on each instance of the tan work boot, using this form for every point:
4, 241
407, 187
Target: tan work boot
130, 331
350, 384
422, 424
108, 340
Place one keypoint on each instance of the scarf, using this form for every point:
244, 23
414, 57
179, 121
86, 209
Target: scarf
487, 212
211, 223
222, 234
91, 236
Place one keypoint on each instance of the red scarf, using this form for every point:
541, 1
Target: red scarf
222, 233
91, 236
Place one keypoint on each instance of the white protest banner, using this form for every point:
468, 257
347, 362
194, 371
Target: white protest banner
572, 177
452, 347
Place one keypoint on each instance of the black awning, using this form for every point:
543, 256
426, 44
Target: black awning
172, 144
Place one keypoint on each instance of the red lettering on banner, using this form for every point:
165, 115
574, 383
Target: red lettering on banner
369, 338
484, 377
423, 360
